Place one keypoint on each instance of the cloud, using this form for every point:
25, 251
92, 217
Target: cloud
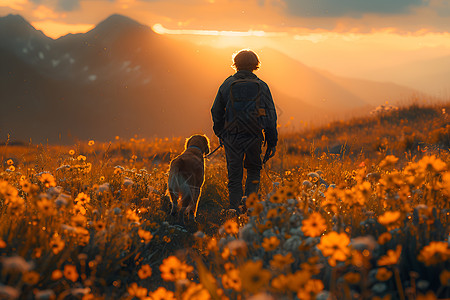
43, 12
68, 5
349, 8
13, 4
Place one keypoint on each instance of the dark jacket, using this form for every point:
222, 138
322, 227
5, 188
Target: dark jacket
221, 104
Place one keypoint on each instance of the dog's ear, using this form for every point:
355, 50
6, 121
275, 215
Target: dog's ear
206, 145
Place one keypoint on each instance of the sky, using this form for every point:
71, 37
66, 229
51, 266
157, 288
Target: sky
354, 38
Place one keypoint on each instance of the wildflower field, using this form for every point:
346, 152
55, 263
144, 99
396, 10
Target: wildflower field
353, 210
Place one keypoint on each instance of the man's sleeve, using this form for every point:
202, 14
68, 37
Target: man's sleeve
270, 128
218, 113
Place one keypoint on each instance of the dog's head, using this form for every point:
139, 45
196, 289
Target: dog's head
198, 140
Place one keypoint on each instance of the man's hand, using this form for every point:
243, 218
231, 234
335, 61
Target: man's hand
270, 152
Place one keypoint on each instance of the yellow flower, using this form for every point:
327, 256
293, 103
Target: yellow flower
91, 142
136, 291
434, 253
146, 236
432, 164
280, 283
384, 238
352, 277
335, 246
389, 160
47, 179
46, 206
145, 271
56, 244
56, 275
70, 272
314, 226
385, 297
173, 269
71, 152
428, 296
10, 162
83, 236
254, 278
389, 219
231, 227
82, 198
27, 187
31, 277
270, 244
12, 168
79, 209
79, 220
278, 197
252, 200
414, 175
132, 216
310, 290
8, 191
232, 280
280, 261
162, 294
298, 279
383, 274
392, 180
391, 257
364, 191
99, 225
272, 213
196, 291
445, 278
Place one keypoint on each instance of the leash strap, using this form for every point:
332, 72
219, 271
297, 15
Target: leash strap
267, 173
211, 153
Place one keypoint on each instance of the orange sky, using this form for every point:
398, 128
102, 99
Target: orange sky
353, 38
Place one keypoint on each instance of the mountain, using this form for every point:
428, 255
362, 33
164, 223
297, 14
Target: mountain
432, 78
121, 78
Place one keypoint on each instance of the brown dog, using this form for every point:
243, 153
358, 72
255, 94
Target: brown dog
186, 177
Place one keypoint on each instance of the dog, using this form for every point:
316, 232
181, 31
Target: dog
186, 177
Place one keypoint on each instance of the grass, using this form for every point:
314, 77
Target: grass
366, 219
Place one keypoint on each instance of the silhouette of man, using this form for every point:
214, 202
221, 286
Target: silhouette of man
244, 116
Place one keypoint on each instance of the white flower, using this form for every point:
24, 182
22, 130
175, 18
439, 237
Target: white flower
16, 263
8, 292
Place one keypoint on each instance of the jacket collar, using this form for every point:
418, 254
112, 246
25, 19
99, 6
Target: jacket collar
244, 74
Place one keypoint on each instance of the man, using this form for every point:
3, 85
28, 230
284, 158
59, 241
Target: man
242, 111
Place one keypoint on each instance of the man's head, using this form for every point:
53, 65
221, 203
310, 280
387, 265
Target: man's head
245, 60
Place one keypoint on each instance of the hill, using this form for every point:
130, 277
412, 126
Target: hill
402, 131
121, 78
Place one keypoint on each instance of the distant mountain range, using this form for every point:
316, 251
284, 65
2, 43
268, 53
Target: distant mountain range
123, 79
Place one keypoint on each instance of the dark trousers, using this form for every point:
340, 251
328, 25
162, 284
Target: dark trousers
242, 151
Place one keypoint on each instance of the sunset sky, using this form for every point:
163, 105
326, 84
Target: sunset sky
348, 37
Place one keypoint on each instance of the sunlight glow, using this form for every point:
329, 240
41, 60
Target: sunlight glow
160, 29
56, 29
13, 4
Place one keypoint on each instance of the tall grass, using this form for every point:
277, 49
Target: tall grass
368, 220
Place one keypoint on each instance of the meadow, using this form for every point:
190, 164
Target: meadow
356, 209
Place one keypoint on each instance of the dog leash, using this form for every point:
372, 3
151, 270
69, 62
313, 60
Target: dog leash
267, 173
211, 153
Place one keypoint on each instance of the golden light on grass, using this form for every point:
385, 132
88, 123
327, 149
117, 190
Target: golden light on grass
281, 250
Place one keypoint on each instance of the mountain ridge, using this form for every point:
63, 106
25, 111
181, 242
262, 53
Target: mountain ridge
131, 80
